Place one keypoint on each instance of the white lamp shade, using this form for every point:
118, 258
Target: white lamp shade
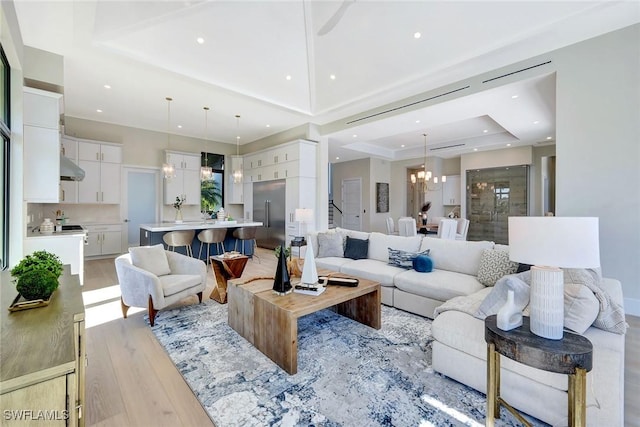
566, 242
303, 215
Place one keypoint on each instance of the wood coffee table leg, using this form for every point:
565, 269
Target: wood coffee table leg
365, 309
276, 334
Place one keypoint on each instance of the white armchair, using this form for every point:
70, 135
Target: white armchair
154, 278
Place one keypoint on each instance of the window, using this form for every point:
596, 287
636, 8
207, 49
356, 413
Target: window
5, 135
212, 190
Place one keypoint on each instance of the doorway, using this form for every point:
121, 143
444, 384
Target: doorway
141, 189
352, 203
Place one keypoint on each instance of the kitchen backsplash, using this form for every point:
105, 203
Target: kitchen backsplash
75, 214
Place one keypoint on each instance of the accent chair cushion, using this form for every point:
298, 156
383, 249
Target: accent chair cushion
356, 248
495, 264
423, 263
330, 244
150, 258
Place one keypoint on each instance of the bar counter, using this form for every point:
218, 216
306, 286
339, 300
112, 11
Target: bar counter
151, 234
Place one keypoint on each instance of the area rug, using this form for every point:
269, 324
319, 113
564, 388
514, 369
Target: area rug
348, 374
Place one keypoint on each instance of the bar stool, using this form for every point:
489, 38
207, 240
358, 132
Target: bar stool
245, 233
176, 239
209, 236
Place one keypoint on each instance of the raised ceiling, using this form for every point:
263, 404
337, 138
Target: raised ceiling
266, 61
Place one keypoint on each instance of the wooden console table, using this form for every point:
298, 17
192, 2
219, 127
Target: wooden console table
43, 357
572, 355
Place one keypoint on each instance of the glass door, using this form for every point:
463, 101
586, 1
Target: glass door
493, 195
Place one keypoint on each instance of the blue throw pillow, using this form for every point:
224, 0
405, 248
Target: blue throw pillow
423, 264
356, 248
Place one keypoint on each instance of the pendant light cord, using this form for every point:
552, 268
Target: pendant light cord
169, 122
237, 134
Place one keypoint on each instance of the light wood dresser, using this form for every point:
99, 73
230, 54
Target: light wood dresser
43, 359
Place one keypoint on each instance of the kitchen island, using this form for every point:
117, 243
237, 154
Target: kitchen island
151, 234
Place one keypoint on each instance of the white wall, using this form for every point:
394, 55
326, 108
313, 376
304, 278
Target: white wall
598, 147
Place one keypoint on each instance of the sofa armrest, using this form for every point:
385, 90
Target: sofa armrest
182, 264
137, 284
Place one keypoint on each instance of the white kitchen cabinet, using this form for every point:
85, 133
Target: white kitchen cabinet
103, 239
41, 175
69, 189
101, 163
451, 191
235, 190
289, 160
186, 183
248, 200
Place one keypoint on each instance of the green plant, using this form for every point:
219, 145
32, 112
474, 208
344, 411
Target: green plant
39, 260
178, 203
37, 284
211, 195
287, 251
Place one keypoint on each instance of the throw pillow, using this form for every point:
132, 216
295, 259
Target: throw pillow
403, 259
580, 307
150, 258
495, 264
356, 248
498, 296
330, 244
423, 264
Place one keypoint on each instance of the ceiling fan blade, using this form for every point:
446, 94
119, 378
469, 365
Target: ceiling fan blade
328, 26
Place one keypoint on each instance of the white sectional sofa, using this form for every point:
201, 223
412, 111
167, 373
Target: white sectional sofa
459, 348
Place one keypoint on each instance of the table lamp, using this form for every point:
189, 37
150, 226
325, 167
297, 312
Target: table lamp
303, 216
552, 243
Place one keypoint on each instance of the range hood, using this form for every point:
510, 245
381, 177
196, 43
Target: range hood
69, 171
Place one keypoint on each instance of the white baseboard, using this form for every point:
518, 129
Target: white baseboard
632, 306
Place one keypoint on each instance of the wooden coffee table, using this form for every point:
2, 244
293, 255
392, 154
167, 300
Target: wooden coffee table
224, 269
270, 322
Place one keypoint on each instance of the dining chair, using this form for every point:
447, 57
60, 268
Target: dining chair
447, 229
462, 228
391, 226
407, 226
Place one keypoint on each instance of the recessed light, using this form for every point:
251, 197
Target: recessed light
268, 126
402, 146
332, 76
549, 137
107, 86
508, 145
475, 149
485, 131
200, 40
536, 122
99, 110
179, 126
355, 135
288, 77
417, 121
514, 96
417, 35
337, 158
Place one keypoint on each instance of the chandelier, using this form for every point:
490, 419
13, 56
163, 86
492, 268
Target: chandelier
424, 177
168, 170
237, 173
205, 171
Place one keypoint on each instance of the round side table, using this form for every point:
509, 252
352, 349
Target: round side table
571, 355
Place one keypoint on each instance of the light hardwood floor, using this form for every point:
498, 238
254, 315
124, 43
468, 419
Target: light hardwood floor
132, 382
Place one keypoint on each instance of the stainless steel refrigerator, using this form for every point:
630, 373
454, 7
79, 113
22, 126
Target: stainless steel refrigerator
269, 208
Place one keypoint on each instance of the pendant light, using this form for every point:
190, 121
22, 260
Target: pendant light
168, 170
237, 174
205, 171
424, 176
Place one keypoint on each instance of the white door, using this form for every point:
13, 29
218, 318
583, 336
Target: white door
140, 201
352, 204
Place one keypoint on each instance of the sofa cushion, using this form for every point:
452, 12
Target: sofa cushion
175, 283
403, 259
460, 256
356, 248
353, 233
312, 238
379, 245
332, 263
150, 258
440, 285
580, 307
495, 264
422, 264
372, 270
330, 245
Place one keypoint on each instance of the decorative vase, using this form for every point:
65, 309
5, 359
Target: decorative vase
509, 316
178, 216
282, 282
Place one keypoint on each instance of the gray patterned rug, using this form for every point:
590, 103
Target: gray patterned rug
348, 374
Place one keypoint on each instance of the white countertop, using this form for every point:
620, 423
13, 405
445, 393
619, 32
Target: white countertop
66, 233
198, 225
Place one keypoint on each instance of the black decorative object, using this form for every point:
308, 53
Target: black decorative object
282, 283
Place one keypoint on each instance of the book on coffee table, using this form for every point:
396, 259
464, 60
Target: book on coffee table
309, 290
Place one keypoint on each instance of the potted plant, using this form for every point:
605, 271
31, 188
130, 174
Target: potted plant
37, 275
